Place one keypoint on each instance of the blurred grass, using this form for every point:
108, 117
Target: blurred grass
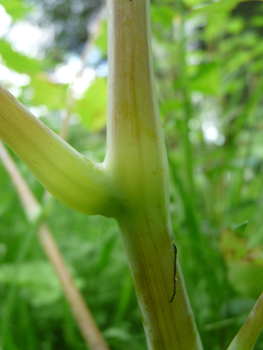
92, 249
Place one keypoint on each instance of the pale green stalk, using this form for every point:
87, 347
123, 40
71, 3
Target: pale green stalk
66, 174
249, 332
136, 160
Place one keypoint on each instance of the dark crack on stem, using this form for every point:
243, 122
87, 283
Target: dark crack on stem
175, 279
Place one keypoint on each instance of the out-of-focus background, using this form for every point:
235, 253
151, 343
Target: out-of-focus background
208, 60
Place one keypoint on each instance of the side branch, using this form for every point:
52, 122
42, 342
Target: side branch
66, 174
249, 332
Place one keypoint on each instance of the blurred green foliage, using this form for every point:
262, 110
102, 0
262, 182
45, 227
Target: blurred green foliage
208, 64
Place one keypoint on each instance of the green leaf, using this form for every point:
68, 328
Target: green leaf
117, 333
17, 61
93, 107
37, 278
206, 79
162, 15
102, 39
16, 8
214, 8
241, 228
192, 2
47, 93
249, 332
232, 246
246, 277
235, 25
257, 21
170, 106
244, 264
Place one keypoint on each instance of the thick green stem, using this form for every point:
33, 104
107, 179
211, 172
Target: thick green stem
136, 160
136, 154
168, 325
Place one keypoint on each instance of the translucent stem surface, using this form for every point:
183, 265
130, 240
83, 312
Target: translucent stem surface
136, 159
69, 176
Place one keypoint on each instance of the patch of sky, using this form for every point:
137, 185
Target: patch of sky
209, 116
13, 79
39, 111
94, 56
82, 83
102, 69
5, 21
68, 73
197, 97
28, 39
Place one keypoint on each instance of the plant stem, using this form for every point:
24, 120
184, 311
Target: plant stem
30, 205
66, 174
188, 109
168, 325
82, 314
92, 32
136, 160
249, 332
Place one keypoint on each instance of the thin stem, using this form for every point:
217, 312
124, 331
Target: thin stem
93, 30
29, 202
80, 310
249, 332
82, 314
188, 110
